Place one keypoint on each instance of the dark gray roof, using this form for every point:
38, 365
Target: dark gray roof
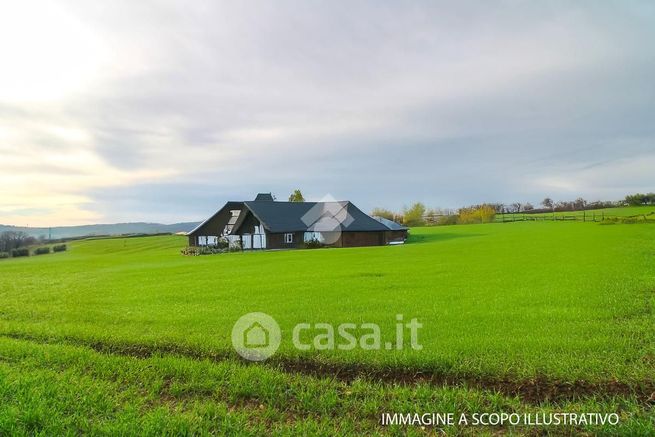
390, 224
264, 197
312, 216
231, 204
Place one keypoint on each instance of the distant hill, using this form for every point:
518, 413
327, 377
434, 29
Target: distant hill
102, 229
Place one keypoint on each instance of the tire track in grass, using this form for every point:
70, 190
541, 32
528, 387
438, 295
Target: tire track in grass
180, 393
531, 391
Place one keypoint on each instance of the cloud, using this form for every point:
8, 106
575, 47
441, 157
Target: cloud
165, 109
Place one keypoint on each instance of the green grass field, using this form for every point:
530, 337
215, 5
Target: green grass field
128, 336
638, 212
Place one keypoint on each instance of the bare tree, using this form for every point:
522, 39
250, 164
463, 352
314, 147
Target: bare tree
580, 203
548, 203
12, 240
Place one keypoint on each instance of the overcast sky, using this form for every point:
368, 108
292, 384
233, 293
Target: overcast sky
162, 110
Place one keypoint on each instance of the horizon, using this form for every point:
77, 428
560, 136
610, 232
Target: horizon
536, 205
136, 113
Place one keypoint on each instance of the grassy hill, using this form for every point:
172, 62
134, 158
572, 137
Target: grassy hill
127, 335
59, 232
639, 212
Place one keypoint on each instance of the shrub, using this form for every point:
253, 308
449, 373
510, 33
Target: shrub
15, 253
41, 250
4, 255
235, 247
445, 220
210, 250
477, 214
202, 250
384, 213
190, 251
59, 248
314, 243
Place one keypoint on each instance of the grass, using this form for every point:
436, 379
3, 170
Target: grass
143, 333
638, 212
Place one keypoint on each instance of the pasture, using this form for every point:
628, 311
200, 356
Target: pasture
127, 335
646, 213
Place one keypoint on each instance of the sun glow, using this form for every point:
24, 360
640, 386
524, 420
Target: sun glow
47, 54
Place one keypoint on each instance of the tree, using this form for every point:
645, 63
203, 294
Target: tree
548, 203
414, 215
484, 213
384, 213
12, 240
640, 199
580, 203
565, 205
517, 206
296, 196
528, 207
431, 216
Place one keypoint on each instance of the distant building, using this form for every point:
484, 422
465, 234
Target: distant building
268, 224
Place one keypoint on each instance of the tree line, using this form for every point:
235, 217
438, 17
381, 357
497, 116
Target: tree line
10, 240
418, 214
17, 244
640, 199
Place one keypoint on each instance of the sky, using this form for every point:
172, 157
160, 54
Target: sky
161, 111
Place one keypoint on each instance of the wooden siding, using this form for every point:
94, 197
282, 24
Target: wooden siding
347, 239
358, 239
396, 236
276, 241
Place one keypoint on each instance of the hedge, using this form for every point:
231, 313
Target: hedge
41, 250
15, 253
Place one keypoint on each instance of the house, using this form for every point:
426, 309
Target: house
265, 223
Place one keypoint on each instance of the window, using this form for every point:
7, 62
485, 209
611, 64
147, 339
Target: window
288, 238
233, 219
313, 236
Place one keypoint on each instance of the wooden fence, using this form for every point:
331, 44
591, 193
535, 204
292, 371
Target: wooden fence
583, 216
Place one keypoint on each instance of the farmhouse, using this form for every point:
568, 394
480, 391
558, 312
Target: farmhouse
265, 223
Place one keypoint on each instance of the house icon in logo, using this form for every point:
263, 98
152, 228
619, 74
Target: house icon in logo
256, 335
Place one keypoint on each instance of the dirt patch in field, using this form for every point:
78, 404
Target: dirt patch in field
535, 390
